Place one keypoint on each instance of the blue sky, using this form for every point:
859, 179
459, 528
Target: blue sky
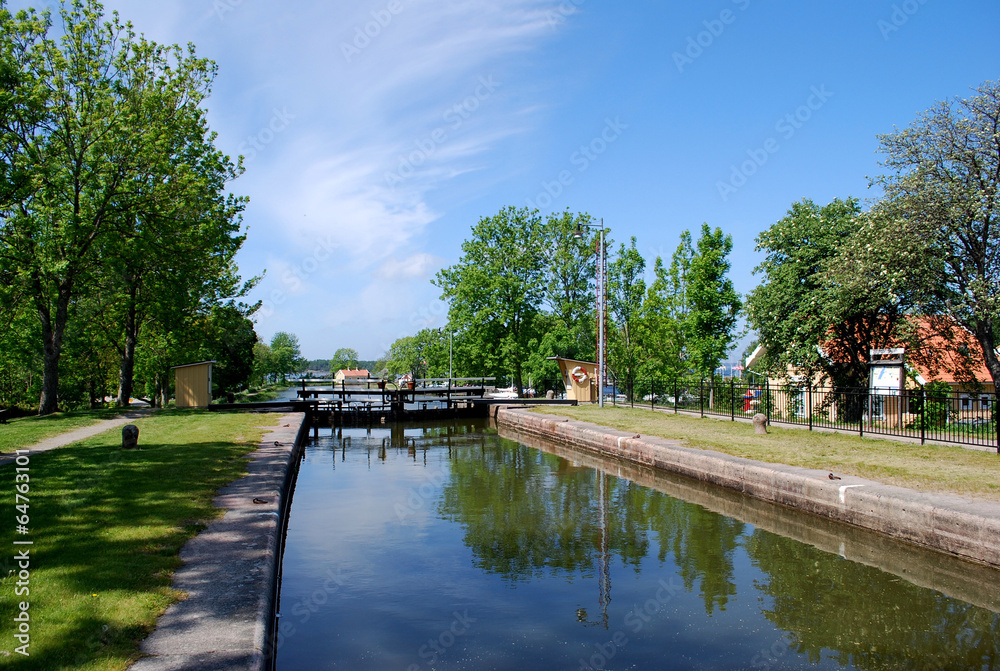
378, 132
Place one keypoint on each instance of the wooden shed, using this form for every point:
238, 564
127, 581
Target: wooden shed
579, 378
193, 384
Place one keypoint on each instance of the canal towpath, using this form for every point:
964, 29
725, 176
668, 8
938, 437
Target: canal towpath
230, 569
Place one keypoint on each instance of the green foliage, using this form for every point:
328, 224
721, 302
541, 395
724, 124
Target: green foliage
495, 292
115, 221
423, 355
626, 291
343, 358
264, 365
938, 398
232, 348
813, 310
941, 199
570, 291
285, 356
712, 302
665, 310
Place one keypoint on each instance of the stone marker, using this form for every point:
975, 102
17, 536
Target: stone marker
130, 437
550, 394
760, 423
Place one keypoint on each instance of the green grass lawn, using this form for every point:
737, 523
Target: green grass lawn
18, 433
107, 527
937, 468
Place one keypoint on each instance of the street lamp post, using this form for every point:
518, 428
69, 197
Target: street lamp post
602, 297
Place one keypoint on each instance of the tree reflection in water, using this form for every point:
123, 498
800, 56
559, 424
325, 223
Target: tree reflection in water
871, 620
526, 513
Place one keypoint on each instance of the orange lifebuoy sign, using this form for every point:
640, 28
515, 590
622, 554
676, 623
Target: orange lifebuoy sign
579, 375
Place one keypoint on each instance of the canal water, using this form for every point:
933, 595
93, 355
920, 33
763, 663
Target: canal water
450, 547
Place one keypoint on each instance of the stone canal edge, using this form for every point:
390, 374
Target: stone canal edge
964, 527
230, 572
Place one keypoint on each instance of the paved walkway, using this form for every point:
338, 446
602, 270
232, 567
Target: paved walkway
229, 572
64, 439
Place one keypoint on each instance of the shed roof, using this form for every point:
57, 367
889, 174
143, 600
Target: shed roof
188, 365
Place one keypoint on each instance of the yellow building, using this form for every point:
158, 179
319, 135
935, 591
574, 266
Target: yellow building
579, 378
193, 384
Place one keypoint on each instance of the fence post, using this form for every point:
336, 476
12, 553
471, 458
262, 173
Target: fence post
923, 416
677, 400
767, 399
652, 402
732, 399
809, 406
865, 412
701, 396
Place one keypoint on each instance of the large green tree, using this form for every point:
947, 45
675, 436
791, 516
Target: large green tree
665, 310
496, 291
286, 357
422, 355
107, 148
345, 357
712, 304
942, 192
806, 317
567, 328
626, 291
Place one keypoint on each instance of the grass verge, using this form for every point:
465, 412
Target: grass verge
107, 526
27, 431
934, 468
262, 395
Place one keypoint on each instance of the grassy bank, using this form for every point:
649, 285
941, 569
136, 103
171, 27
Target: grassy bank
922, 467
25, 431
107, 526
261, 395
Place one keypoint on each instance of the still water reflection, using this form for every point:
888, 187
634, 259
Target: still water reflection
449, 547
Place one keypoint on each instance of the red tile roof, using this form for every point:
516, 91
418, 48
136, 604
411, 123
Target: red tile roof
360, 373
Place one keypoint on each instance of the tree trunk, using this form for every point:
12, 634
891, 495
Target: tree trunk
987, 341
518, 379
126, 371
52, 341
163, 381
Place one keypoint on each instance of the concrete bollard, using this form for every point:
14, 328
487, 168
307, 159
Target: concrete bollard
760, 423
130, 437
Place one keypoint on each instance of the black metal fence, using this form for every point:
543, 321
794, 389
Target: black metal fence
963, 417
